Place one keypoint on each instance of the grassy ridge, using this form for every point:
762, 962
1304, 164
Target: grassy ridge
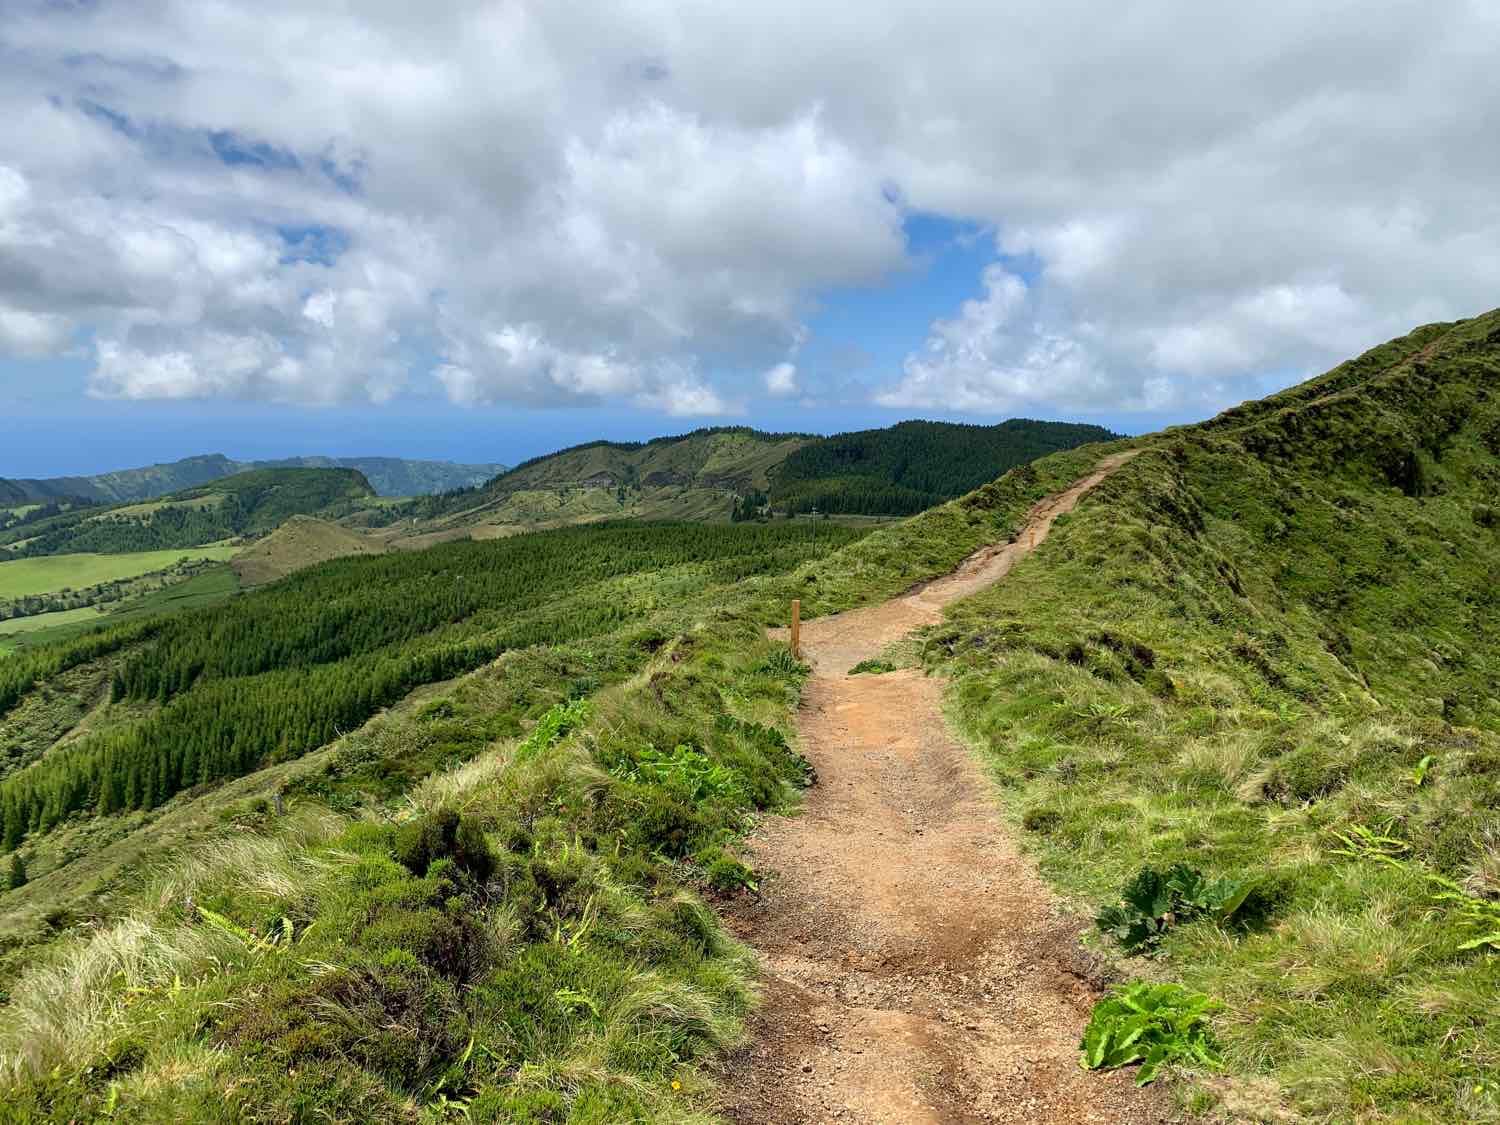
577, 981
1264, 648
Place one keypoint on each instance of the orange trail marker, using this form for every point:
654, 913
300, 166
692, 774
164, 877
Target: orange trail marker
797, 628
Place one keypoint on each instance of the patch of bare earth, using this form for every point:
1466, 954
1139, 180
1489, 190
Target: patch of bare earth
917, 969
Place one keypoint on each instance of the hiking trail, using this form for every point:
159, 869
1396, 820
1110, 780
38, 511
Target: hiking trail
916, 968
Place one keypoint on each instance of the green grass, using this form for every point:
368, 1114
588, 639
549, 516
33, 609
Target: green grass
22, 577
557, 964
600, 977
1238, 649
41, 621
211, 587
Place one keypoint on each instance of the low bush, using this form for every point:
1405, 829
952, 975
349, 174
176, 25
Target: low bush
1150, 1024
1154, 901
444, 834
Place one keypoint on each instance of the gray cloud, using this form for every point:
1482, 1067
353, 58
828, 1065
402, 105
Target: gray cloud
571, 203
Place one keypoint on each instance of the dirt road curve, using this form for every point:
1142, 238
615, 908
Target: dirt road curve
916, 971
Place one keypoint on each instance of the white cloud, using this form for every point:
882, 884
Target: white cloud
996, 357
27, 334
561, 202
781, 381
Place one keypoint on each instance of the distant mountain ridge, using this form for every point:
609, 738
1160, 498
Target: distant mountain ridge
735, 472
389, 476
246, 504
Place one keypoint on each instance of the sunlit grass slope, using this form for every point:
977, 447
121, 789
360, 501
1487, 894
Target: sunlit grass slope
1266, 648
487, 903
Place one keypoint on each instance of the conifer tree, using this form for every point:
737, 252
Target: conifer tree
17, 876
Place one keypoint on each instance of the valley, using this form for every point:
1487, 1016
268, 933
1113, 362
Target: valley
507, 805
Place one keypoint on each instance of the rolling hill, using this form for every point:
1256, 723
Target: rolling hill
695, 476
388, 476
246, 504
735, 472
299, 542
902, 469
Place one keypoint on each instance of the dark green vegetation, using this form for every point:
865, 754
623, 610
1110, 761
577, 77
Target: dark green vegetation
389, 476
1154, 901
911, 466
247, 504
267, 678
27, 513
1238, 653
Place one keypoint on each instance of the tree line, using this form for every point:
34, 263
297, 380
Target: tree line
276, 673
912, 466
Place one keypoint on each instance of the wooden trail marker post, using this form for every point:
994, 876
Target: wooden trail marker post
797, 628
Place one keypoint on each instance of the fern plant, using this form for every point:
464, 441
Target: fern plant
1152, 1024
1476, 913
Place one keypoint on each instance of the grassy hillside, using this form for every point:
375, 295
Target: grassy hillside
389, 476
246, 504
902, 469
691, 476
562, 962
555, 961
301, 541
734, 473
1266, 648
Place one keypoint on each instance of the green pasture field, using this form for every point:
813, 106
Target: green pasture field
22, 577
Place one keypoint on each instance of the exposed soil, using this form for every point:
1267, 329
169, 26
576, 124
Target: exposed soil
917, 969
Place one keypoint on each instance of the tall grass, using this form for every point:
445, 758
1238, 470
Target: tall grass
1217, 660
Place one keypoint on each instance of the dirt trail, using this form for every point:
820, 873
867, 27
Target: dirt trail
917, 971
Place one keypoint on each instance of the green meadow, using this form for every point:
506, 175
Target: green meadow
50, 573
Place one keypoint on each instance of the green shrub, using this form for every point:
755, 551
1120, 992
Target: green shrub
436, 709
1152, 1024
1042, 820
1154, 901
687, 774
783, 664
726, 873
444, 834
556, 722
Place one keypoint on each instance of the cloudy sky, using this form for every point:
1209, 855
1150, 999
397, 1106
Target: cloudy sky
483, 229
